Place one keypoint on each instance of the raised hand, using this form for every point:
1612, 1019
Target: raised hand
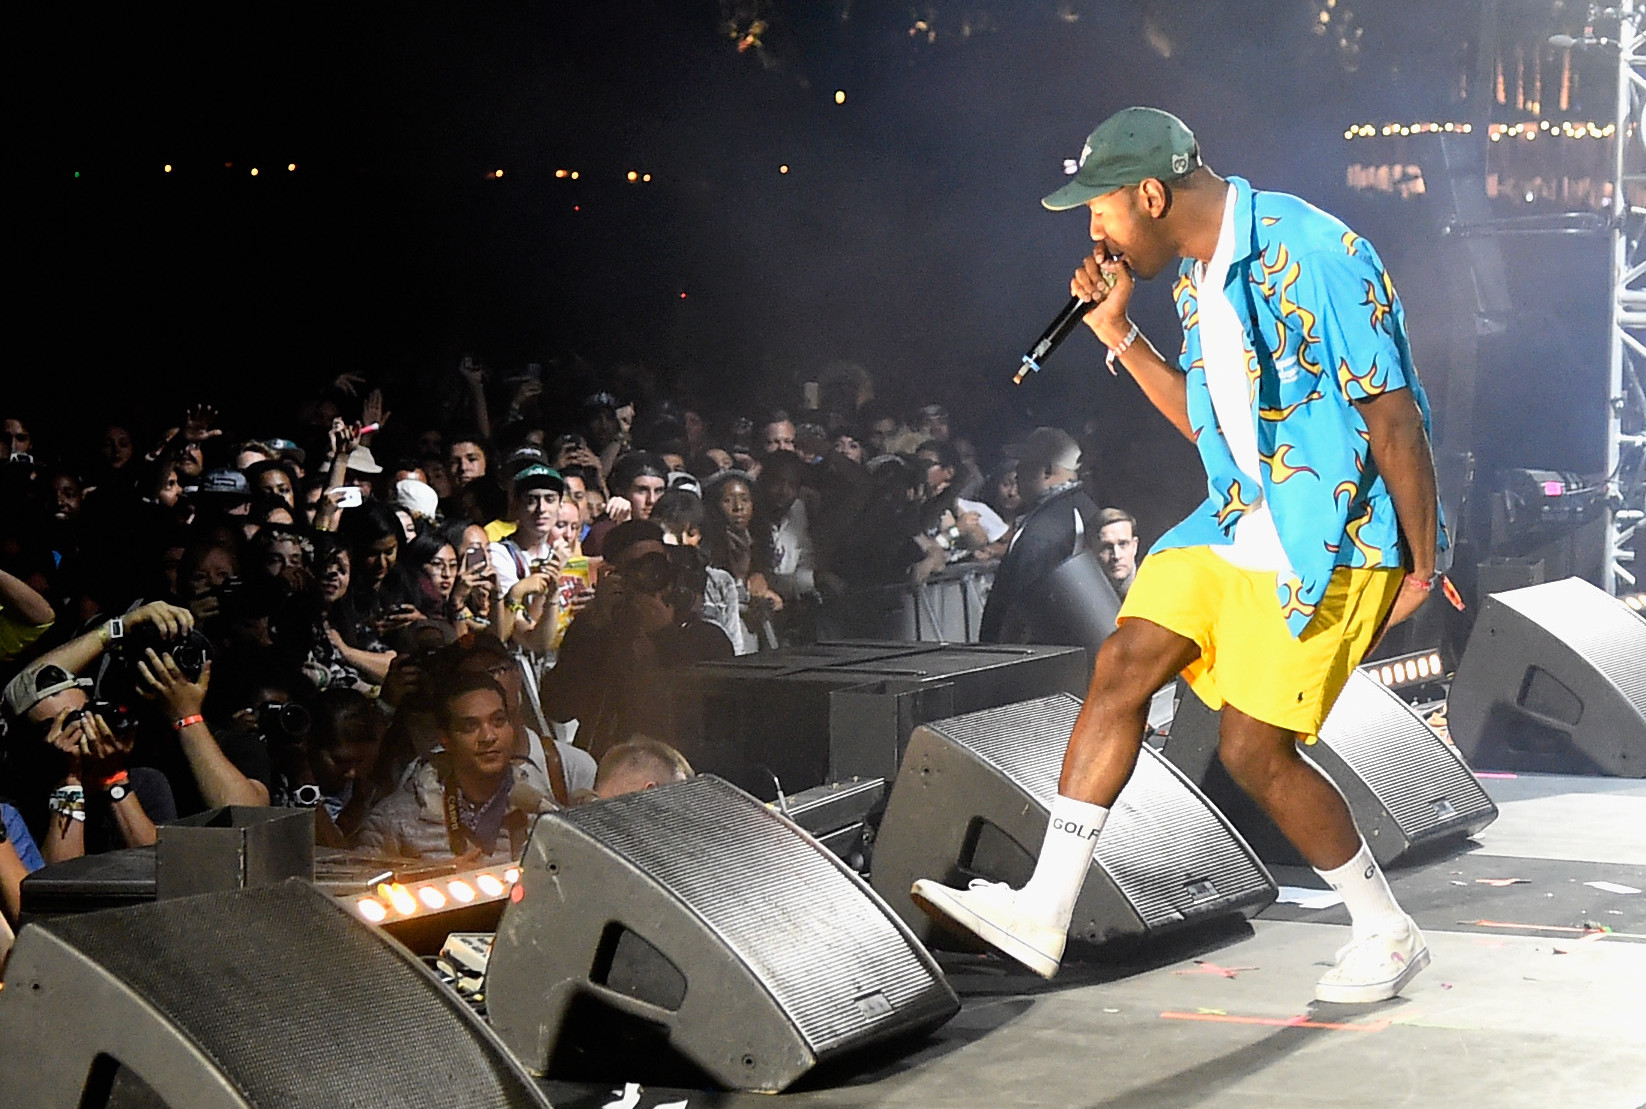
200, 424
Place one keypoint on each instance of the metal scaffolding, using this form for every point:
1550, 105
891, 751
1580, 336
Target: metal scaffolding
1625, 401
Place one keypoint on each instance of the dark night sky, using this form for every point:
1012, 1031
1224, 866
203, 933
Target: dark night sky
907, 237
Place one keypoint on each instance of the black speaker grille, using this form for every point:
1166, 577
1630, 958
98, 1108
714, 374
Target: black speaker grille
1427, 787
297, 1003
762, 887
1163, 846
1594, 624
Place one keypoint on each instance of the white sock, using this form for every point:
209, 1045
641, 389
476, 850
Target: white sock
1065, 856
1366, 894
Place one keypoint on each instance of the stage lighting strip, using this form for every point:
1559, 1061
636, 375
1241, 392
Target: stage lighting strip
1636, 601
1413, 669
393, 901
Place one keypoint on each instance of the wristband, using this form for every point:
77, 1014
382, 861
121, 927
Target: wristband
187, 721
1121, 348
118, 778
1447, 589
69, 801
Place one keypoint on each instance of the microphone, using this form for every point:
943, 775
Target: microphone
1067, 320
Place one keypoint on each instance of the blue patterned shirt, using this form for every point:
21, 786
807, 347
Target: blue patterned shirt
1322, 328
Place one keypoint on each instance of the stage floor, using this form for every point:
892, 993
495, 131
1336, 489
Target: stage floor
1528, 1001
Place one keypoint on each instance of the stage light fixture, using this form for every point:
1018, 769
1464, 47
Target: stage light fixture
1417, 668
398, 900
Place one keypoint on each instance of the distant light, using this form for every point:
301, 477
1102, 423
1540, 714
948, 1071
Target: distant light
254, 171
1530, 196
574, 175
682, 296
839, 96
497, 173
1325, 17
228, 165
168, 167
645, 177
577, 207
560, 173
783, 169
291, 167
633, 176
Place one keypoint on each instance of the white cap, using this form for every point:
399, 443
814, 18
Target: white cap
418, 498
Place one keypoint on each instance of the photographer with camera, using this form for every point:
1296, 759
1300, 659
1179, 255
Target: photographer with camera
182, 694
643, 619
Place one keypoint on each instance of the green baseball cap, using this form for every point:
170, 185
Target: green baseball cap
1132, 145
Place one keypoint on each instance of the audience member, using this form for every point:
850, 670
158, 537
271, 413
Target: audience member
639, 763
1116, 547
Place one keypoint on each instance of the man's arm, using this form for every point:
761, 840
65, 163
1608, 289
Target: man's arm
77, 654
221, 782
1400, 451
24, 603
1161, 382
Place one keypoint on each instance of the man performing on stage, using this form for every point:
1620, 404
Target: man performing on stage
1322, 528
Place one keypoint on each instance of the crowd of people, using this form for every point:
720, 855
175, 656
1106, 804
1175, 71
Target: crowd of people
429, 629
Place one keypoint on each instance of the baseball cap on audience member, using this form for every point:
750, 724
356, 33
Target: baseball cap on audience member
521, 457
362, 462
538, 476
1130, 146
35, 684
227, 484
288, 449
418, 498
680, 479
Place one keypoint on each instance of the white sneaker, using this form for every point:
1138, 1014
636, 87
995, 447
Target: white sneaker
1374, 968
991, 911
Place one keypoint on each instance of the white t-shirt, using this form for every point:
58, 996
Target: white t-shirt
508, 571
1256, 543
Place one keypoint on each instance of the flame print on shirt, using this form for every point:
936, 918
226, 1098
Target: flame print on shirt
1275, 415
1382, 306
1351, 244
1291, 599
1279, 469
1305, 320
1254, 373
1272, 269
1188, 305
1345, 489
1235, 504
1372, 381
1370, 553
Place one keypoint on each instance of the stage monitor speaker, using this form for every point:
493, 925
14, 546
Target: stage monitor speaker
973, 799
1553, 680
810, 715
272, 996
1406, 787
693, 921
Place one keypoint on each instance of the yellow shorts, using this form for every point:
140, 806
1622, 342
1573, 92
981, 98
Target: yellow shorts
1248, 656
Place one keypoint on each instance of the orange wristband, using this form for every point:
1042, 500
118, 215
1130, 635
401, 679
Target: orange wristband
179, 725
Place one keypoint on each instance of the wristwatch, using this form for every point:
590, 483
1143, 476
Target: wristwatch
117, 792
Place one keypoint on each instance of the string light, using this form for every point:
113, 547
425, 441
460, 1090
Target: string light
254, 171
780, 169
561, 173
168, 167
645, 177
1566, 129
291, 167
839, 96
633, 176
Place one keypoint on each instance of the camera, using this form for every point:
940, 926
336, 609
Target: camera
190, 653
117, 716
282, 721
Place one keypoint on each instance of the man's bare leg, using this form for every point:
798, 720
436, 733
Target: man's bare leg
1264, 761
1306, 806
1032, 924
1132, 664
